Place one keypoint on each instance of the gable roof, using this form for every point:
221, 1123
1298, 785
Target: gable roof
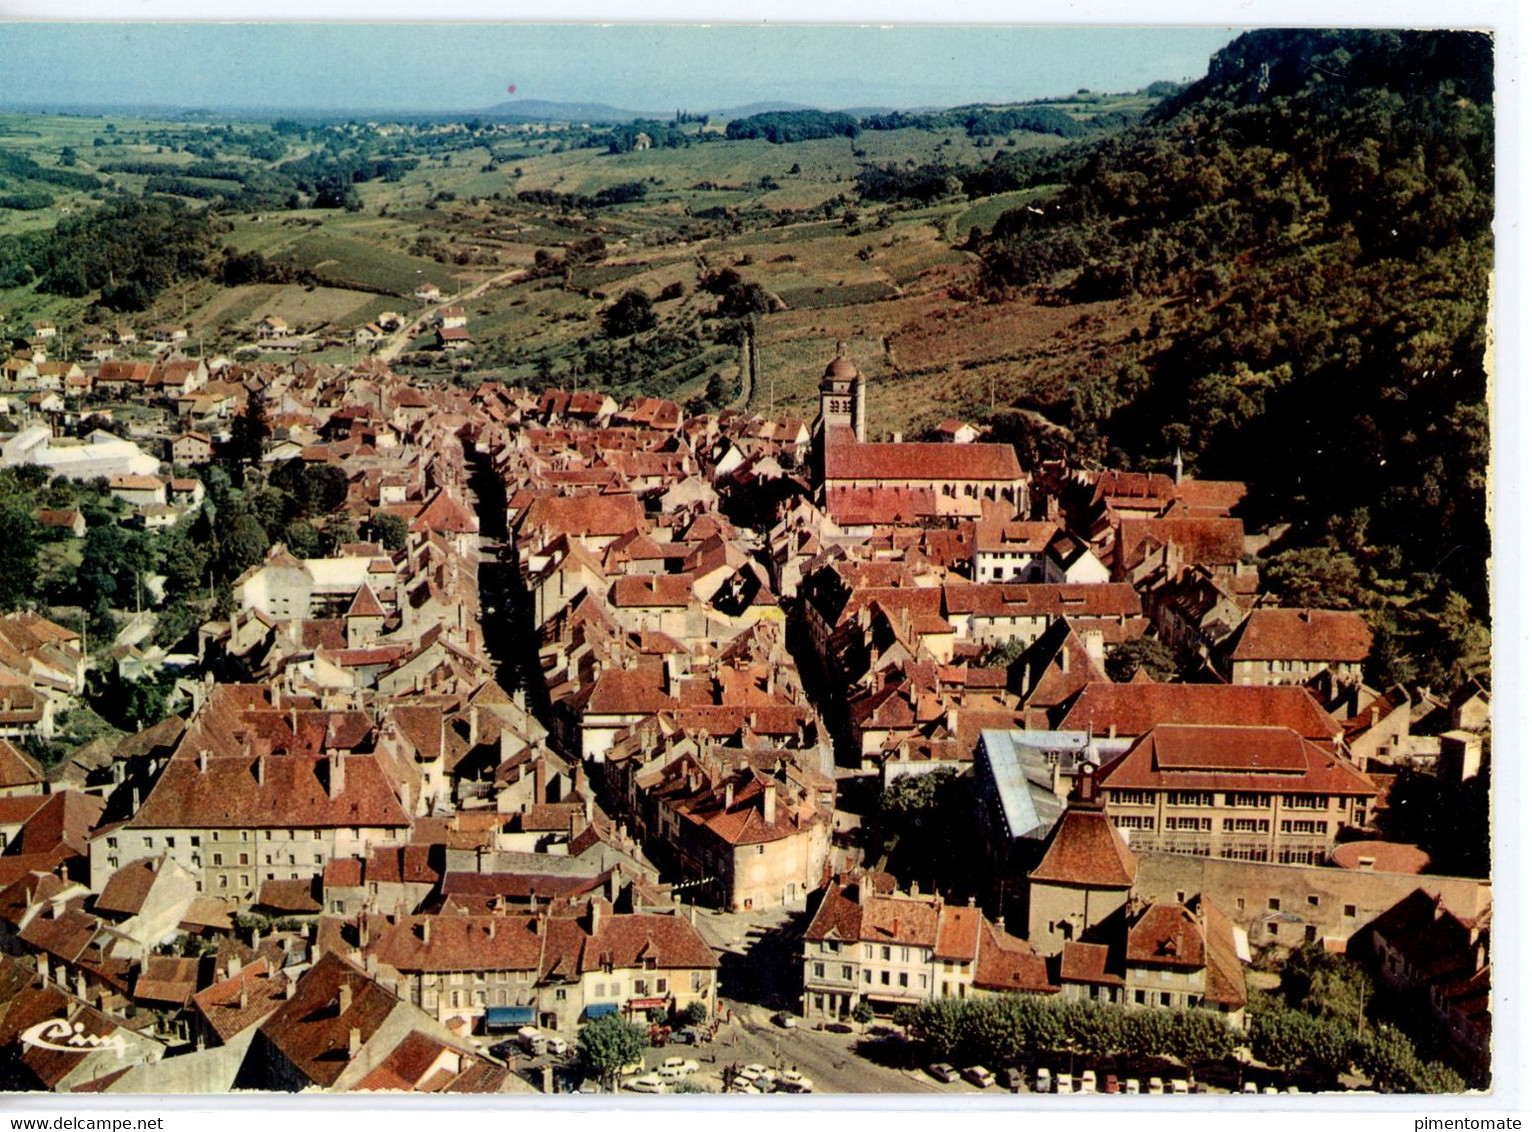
1303, 634
1205, 757
1132, 709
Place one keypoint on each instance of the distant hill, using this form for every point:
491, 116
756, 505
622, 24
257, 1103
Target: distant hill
758, 108
542, 110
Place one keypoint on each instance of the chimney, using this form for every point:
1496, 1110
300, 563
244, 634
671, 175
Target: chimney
289, 987
914, 888
345, 998
1095, 644
354, 1041
769, 803
425, 930
337, 766
244, 994
595, 916
372, 965
235, 966
260, 770
491, 927
728, 794
202, 761
1064, 660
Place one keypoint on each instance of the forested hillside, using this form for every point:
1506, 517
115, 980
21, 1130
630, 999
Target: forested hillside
1310, 225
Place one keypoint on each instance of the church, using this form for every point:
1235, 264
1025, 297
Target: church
843, 457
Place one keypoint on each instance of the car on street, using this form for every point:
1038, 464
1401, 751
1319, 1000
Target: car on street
1013, 1079
631, 1068
1130, 1087
1044, 1081
557, 1046
791, 1081
648, 1083
1179, 1087
1249, 1088
686, 1066
1155, 1087
978, 1076
1088, 1081
785, 1020
1110, 1084
943, 1072
1064, 1083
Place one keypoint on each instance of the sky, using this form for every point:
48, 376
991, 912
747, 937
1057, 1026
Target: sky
467, 67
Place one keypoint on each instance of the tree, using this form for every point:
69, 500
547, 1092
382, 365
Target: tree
942, 1024
1148, 655
695, 1014
248, 434
862, 1013
390, 530
632, 313
1319, 577
607, 1044
1326, 985
18, 565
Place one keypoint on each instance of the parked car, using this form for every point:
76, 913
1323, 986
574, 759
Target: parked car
1044, 1082
557, 1046
1269, 1091
760, 1074
1250, 1088
791, 1081
1088, 1081
1064, 1083
943, 1072
684, 1065
1013, 1079
690, 1036
1110, 1084
648, 1083
978, 1076
1178, 1086
1155, 1087
838, 1027
1130, 1087
785, 1020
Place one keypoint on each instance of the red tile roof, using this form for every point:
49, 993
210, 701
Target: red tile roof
1086, 850
1303, 634
1166, 935
311, 1030
922, 461
242, 1000
295, 794
1090, 963
1132, 709
1207, 757
17, 768
1009, 964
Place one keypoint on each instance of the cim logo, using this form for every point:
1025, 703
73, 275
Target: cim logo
59, 1034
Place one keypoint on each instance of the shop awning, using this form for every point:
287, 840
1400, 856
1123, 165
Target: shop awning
509, 1017
646, 1003
600, 1009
